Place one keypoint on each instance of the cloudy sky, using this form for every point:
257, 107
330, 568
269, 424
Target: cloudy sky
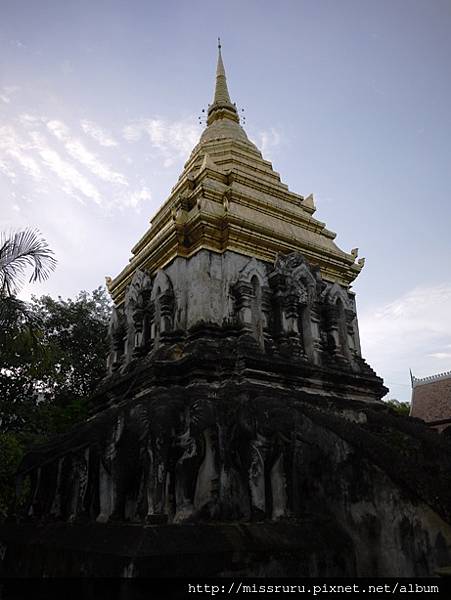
349, 99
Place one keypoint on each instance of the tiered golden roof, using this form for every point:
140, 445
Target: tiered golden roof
229, 198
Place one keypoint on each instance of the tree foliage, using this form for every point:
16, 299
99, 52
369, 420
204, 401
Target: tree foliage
11, 452
52, 356
402, 408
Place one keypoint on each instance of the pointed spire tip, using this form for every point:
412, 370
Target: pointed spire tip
221, 99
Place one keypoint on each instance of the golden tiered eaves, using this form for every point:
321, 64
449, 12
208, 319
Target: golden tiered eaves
229, 198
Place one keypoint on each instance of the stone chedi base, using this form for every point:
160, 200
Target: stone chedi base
239, 429
248, 444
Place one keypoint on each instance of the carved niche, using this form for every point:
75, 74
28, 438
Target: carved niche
252, 297
340, 322
162, 307
137, 313
117, 334
295, 287
147, 313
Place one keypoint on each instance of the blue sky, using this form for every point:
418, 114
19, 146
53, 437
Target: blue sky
349, 99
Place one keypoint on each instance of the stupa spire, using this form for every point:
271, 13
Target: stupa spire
221, 90
222, 106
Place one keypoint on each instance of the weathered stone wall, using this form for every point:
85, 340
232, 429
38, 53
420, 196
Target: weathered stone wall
225, 454
237, 397
285, 307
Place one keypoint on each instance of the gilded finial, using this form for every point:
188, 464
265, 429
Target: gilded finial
222, 106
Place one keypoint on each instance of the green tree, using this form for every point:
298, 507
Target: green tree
20, 346
19, 325
52, 356
19, 343
74, 343
11, 452
402, 408
51, 362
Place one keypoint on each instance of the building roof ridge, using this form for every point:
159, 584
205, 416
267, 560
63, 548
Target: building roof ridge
430, 378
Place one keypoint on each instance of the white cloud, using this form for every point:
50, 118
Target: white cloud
6, 169
15, 148
30, 150
7, 92
268, 140
102, 137
133, 133
59, 130
79, 152
72, 180
28, 163
26, 119
36, 149
413, 331
173, 139
441, 355
135, 199
422, 311
45, 150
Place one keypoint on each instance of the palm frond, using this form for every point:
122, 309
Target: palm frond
19, 251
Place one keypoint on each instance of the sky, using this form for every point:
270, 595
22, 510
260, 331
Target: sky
349, 99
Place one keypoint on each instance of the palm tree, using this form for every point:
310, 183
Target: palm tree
18, 251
